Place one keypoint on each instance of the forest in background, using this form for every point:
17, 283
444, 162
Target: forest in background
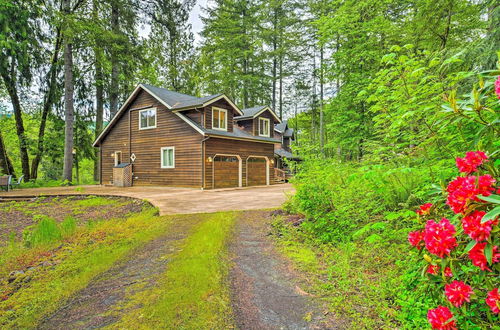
359, 80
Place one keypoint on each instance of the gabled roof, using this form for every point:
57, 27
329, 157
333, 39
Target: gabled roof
281, 127
174, 101
250, 113
237, 133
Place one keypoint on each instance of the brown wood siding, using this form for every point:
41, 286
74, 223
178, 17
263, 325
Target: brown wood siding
226, 173
246, 125
265, 114
256, 171
219, 104
244, 149
170, 131
194, 115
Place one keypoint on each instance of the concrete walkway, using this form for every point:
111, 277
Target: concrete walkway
170, 200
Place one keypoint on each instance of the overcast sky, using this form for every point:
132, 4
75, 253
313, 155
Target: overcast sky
194, 19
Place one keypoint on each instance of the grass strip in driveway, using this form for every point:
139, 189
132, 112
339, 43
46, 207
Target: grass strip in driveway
63, 270
193, 292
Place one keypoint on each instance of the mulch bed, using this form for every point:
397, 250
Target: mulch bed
15, 216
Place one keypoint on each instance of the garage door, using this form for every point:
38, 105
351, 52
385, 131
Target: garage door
226, 171
256, 171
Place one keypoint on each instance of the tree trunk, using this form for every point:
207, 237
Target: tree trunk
5, 163
321, 120
10, 84
113, 93
99, 98
68, 103
275, 61
48, 102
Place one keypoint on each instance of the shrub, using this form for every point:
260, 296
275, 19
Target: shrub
459, 259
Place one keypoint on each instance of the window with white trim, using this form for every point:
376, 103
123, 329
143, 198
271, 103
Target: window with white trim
147, 118
219, 119
168, 157
264, 127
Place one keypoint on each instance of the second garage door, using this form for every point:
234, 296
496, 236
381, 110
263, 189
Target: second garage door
226, 171
256, 171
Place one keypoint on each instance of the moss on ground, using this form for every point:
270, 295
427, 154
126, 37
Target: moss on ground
193, 293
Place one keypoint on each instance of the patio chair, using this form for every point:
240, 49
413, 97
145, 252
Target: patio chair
16, 184
5, 182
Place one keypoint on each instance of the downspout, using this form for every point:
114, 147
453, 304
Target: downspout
203, 162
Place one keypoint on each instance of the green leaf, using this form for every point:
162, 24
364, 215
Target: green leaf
470, 246
488, 253
491, 214
492, 198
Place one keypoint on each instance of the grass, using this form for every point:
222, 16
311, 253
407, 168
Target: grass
356, 280
89, 251
94, 201
193, 293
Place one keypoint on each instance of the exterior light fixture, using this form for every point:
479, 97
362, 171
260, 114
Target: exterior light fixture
210, 159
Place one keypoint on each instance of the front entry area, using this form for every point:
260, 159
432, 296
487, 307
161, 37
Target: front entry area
226, 171
257, 171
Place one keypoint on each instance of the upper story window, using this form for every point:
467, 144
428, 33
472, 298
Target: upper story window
264, 127
147, 118
219, 119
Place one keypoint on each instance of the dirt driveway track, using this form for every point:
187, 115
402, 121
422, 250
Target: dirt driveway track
170, 200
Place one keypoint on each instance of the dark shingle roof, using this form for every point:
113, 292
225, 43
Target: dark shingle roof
281, 127
283, 153
177, 100
236, 133
250, 112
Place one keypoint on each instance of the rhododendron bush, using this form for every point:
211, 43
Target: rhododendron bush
458, 246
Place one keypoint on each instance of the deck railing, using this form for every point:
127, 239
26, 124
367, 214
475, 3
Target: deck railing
279, 175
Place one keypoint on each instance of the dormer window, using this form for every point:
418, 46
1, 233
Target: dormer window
219, 119
264, 127
147, 118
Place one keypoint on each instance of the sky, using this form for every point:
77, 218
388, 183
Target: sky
194, 19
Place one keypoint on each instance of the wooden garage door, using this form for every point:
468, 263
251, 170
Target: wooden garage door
226, 171
256, 171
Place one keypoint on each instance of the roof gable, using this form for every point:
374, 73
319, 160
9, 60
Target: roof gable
256, 111
171, 100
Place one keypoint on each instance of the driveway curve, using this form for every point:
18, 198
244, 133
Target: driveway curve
172, 200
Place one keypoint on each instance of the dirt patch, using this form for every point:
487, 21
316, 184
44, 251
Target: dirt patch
99, 304
265, 294
15, 216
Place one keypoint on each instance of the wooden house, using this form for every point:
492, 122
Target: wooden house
175, 139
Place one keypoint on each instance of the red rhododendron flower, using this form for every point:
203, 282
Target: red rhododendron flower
424, 209
463, 189
475, 229
497, 87
476, 254
433, 269
415, 238
441, 318
471, 161
448, 272
439, 237
485, 185
493, 300
457, 293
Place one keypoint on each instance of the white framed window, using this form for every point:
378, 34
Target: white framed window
147, 118
264, 127
219, 119
118, 158
168, 157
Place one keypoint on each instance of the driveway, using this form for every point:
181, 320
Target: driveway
170, 200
